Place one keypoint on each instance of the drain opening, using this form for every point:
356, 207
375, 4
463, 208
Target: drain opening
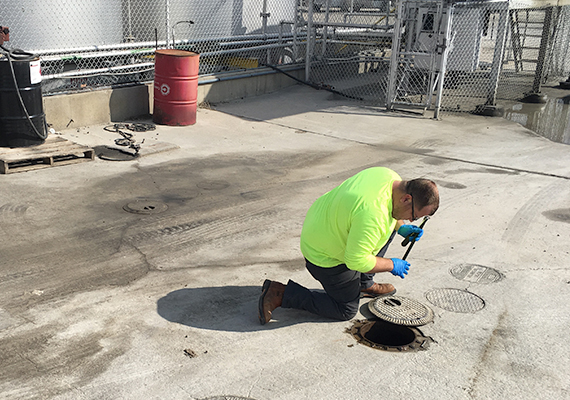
383, 335
145, 207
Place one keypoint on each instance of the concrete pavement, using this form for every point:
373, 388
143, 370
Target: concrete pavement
99, 303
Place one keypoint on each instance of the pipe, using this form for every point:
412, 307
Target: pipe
122, 46
102, 71
99, 71
240, 50
343, 25
242, 76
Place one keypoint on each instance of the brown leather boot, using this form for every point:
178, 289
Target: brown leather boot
271, 298
378, 289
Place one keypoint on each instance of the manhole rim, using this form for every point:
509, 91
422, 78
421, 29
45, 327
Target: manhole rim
144, 206
420, 342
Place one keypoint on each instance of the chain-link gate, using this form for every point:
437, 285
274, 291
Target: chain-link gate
419, 54
383, 53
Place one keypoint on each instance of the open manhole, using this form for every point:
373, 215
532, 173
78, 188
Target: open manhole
145, 207
476, 273
383, 335
456, 300
400, 310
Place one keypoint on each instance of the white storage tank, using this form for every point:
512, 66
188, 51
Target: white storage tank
57, 24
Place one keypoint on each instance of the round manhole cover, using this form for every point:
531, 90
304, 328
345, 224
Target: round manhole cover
145, 207
383, 335
401, 310
476, 273
455, 300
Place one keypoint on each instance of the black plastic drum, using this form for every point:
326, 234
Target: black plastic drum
15, 127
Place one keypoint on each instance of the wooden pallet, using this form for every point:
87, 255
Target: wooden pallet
53, 152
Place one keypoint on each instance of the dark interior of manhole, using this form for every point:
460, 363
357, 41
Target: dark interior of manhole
387, 334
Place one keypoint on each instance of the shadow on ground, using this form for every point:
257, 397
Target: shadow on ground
226, 308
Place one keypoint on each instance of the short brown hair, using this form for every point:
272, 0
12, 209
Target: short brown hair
424, 192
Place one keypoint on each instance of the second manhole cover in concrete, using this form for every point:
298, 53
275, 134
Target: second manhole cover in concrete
145, 207
476, 273
401, 310
456, 300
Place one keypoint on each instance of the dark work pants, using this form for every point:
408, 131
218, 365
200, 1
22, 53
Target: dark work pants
342, 290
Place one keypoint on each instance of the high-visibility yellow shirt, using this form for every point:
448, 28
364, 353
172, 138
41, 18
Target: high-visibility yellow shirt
351, 223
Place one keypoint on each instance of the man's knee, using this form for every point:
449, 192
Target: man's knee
348, 311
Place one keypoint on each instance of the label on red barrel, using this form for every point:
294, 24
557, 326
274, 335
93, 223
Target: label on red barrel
35, 72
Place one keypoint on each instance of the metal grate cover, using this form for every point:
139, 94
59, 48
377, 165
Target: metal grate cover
455, 300
401, 310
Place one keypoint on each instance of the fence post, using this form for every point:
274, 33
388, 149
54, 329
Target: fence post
394, 57
443, 60
309, 40
498, 54
167, 4
544, 44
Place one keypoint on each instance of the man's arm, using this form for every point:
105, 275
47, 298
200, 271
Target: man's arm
382, 265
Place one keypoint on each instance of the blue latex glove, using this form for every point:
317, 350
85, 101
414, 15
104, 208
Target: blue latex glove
401, 267
407, 230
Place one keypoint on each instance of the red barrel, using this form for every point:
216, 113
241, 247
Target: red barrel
175, 87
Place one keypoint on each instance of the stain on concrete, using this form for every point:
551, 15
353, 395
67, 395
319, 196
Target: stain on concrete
497, 171
13, 209
494, 171
210, 200
450, 185
559, 215
434, 161
213, 184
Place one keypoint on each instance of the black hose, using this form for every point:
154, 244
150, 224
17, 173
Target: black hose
21, 55
313, 85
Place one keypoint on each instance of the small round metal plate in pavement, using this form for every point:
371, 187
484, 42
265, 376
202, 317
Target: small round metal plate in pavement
145, 207
476, 273
401, 310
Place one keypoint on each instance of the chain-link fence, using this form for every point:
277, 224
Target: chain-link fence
393, 53
388, 52
511, 52
87, 44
